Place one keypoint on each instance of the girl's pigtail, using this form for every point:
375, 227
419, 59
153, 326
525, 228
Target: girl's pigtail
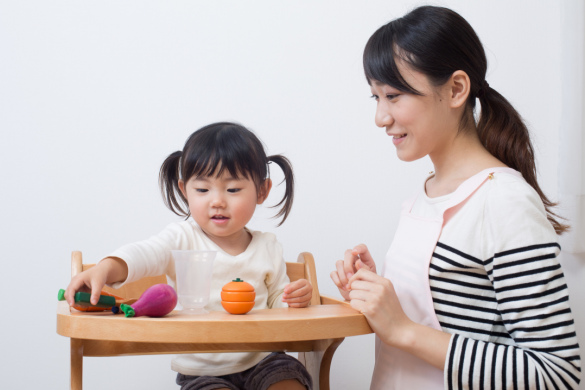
168, 181
287, 200
504, 134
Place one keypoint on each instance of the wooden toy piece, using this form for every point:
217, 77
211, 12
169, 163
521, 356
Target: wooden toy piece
82, 301
237, 297
156, 301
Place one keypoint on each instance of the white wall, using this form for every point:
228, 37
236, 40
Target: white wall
94, 95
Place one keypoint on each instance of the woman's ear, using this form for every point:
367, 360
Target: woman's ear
182, 188
460, 87
264, 191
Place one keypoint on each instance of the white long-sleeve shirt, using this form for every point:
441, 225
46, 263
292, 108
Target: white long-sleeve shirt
261, 264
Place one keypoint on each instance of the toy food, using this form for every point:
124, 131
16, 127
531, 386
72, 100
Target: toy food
237, 297
82, 303
156, 301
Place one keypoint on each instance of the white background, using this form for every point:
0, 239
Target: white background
94, 95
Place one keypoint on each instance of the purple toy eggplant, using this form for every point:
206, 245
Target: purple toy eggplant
156, 301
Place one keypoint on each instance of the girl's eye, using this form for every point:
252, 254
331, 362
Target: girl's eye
234, 190
201, 190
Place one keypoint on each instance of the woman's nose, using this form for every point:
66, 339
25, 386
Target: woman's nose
383, 117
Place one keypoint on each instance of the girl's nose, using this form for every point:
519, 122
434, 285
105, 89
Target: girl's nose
383, 117
218, 202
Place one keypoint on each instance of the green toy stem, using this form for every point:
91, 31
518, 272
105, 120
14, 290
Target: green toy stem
127, 309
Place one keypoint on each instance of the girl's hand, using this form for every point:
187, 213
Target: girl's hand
374, 296
92, 281
109, 270
298, 293
354, 259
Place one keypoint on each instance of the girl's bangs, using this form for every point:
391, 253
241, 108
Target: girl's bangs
213, 163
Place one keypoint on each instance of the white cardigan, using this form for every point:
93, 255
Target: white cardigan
498, 287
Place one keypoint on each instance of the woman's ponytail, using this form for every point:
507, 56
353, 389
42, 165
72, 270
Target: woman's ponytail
168, 180
504, 134
287, 200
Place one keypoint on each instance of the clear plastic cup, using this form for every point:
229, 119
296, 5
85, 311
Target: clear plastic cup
193, 270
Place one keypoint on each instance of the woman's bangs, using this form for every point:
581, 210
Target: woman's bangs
380, 57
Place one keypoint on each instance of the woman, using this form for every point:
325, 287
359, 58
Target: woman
471, 294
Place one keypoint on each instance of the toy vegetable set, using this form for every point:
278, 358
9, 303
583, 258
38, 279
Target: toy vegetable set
156, 301
237, 297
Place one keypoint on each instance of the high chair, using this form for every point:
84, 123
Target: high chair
314, 332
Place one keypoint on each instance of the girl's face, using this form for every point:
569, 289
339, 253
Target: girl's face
419, 125
222, 206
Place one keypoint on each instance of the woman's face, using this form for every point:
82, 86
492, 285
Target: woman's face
419, 125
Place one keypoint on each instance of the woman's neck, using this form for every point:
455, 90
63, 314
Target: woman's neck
465, 157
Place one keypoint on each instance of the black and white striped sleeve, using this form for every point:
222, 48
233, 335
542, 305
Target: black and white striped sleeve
538, 348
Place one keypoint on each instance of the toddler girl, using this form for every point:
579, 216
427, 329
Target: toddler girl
216, 181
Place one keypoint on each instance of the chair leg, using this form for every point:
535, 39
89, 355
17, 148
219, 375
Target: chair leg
318, 362
76, 364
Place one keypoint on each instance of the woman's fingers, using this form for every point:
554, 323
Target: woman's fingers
365, 256
363, 275
361, 265
342, 275
349, 259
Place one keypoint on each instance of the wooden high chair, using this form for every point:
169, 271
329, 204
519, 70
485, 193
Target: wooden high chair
314, 332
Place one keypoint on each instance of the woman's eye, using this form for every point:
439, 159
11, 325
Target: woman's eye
391, 97
375, 97
234, 190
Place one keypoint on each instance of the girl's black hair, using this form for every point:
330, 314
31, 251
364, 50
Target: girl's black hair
437, 41
212, 150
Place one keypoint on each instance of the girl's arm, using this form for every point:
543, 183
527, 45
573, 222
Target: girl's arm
109, 270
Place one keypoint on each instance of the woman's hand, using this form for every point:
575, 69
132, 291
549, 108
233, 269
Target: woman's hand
374, 296
354, 259
298, 293
109, 270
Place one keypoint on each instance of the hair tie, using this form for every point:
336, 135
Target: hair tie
483, 89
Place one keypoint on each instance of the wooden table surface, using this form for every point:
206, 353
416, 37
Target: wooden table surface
258, 326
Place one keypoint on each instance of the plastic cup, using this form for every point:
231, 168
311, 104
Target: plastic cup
193, 270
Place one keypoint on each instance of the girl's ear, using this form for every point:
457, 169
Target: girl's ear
460, 87
182, 188
264, 191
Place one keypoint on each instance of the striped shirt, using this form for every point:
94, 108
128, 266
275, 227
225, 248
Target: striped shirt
498, 287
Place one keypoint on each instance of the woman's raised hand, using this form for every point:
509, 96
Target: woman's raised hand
354, 259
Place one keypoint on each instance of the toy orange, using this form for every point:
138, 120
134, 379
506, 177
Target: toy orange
237, 297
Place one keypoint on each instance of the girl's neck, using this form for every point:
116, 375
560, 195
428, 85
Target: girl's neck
465, 157
234, 244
